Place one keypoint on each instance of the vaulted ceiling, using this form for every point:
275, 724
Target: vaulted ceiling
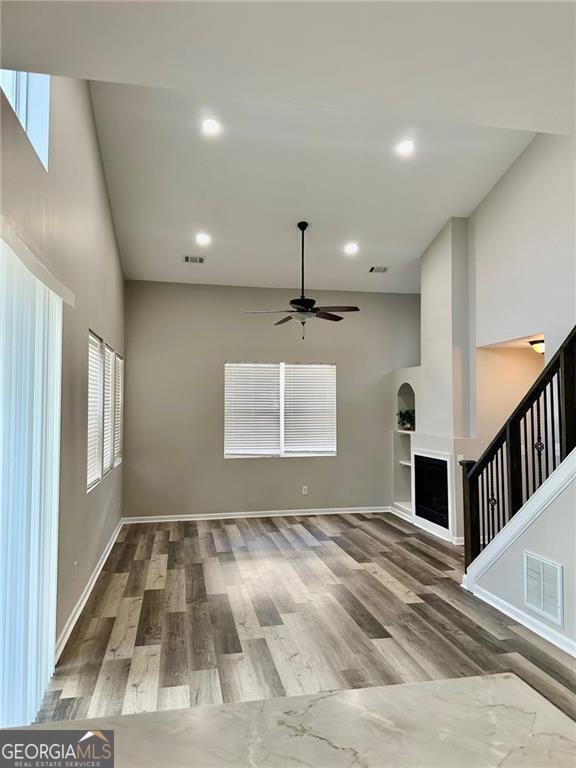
312, 97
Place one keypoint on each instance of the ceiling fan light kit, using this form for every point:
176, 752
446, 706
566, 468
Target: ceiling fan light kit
303, 308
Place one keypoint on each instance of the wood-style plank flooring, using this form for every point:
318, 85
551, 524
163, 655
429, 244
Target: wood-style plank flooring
191, 613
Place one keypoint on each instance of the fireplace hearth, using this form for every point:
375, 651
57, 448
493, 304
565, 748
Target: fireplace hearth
431, 489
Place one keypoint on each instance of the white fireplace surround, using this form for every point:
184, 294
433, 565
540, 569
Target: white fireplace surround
448, 534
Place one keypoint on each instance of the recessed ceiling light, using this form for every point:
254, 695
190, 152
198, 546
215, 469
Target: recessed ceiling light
211, 127
405, 148
202, 238
351, 249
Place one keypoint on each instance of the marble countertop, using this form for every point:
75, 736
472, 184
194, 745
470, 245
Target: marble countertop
493, 720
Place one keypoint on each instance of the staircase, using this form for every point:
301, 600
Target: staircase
535, 440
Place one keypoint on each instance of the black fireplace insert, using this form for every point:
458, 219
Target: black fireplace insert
431, 489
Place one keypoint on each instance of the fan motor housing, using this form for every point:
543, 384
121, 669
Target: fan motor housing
303, 303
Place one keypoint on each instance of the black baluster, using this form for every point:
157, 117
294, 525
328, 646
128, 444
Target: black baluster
538, 445
513, 449
471, 514
553, 411
568, 398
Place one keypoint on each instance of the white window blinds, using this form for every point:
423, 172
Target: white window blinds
118, 409
279, 409
252, 409
109, 393
95, 381
310, 409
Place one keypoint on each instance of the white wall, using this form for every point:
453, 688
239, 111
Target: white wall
435, 402
552, 536
443, 399
63, 215
522, 248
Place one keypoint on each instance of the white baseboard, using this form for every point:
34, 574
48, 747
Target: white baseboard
526, 619
401, 513
77, 610
262, 513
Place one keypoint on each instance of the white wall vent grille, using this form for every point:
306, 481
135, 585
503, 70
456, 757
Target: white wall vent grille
543, 587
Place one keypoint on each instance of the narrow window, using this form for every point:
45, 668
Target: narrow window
29, 96
108, 420
95, 381
118, 409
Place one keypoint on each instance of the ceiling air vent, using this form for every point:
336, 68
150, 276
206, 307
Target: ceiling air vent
543, 587
194, 259
379, 270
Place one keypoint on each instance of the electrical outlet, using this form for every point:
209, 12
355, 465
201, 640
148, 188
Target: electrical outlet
75, 569
304, 490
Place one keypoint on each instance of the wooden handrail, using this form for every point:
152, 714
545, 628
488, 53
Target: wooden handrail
538, 435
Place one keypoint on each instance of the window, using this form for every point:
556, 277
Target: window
29, 97
30, 377
105, 409
279, 409
118, 409
95, 374
109, 408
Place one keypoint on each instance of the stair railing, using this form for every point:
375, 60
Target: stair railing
539, 434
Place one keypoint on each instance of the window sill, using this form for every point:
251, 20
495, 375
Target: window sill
94, 485
278, 456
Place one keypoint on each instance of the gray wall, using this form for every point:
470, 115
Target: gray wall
179, 337
63, 215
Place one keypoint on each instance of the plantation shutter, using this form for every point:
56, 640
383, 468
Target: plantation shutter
95, 376
309, 409
118, 409
252, 409
109, 391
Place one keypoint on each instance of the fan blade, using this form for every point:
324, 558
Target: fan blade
337, 309
327, 316
269, 312
284, 320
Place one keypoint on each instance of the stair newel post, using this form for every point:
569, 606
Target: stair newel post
568, 399
471, 514
514, 464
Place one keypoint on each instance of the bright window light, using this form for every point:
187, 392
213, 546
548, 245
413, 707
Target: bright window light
29, 97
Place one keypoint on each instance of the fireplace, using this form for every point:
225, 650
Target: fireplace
431, 489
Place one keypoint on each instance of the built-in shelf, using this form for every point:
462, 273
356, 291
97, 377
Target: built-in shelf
402, 445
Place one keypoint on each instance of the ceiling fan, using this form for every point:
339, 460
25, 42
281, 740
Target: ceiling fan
304, 308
